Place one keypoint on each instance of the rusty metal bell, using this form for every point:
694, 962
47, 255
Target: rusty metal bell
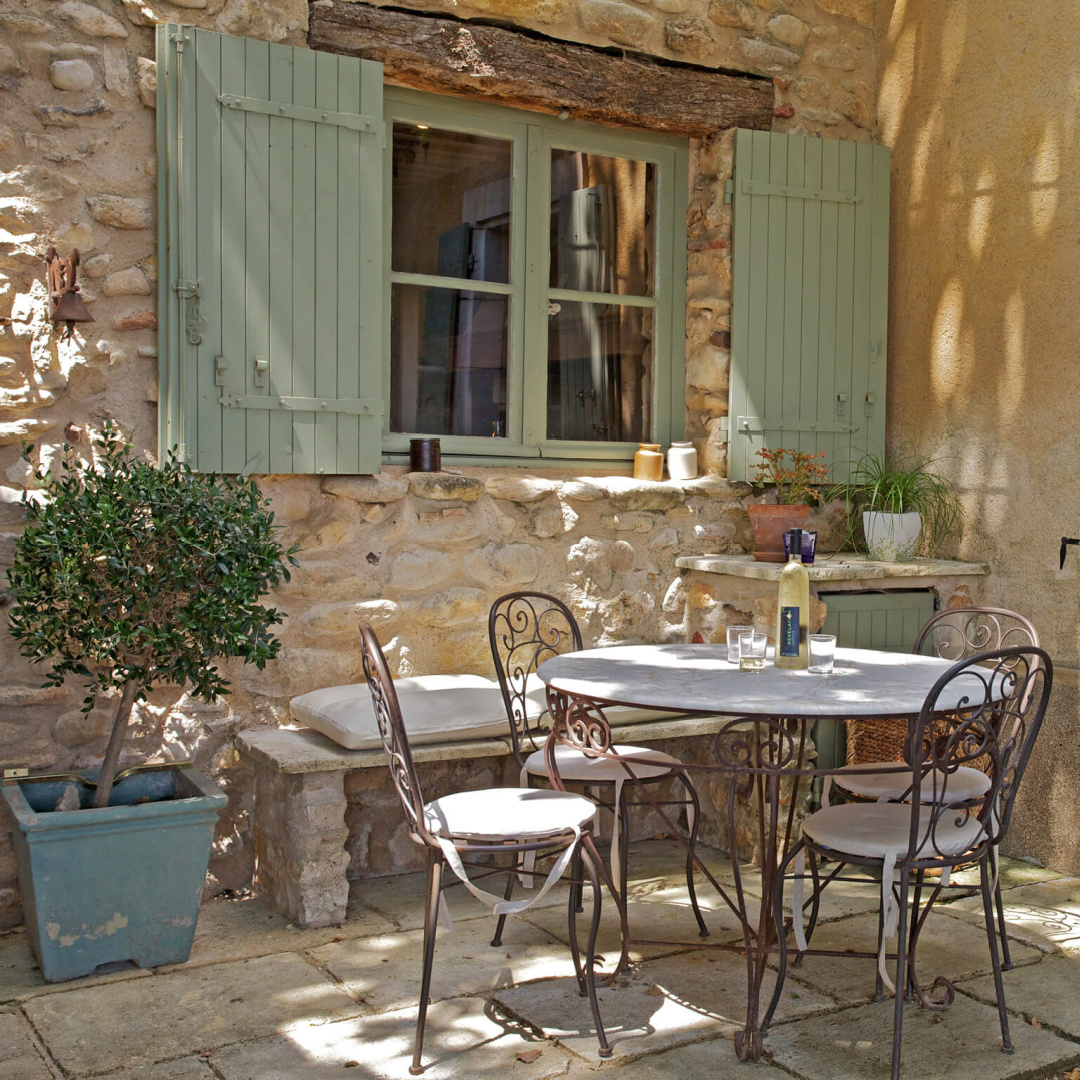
65, 304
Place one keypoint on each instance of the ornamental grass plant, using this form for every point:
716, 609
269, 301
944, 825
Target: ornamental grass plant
129, 575
901, 482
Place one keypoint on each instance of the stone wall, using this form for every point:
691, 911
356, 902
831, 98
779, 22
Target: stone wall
421, 558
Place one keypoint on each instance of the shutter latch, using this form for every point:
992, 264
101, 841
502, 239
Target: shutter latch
194, 323
220, 367
262, 365
841, 405
870, 399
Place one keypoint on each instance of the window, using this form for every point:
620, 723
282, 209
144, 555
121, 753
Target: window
537, 274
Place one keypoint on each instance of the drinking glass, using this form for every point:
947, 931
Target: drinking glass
752, 651
822, 653
733, 634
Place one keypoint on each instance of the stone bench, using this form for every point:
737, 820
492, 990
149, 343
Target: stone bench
301, 804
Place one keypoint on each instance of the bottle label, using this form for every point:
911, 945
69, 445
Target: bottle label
789, 631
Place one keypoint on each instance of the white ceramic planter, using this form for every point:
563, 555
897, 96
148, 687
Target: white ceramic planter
891, 537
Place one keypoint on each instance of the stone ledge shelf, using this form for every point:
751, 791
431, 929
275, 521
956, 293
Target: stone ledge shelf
839, 566
725, 590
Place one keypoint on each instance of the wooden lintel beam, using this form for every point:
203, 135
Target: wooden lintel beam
453, 57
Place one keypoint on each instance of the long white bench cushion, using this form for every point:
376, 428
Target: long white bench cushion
436, 709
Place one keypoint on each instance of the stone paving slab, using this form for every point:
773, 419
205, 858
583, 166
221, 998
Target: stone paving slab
20, 977
666, 1003
466, 1039
19, 1057
949, 947
1013, 872
714, 1059
1047, 992
189, 1068
963, 1043
1046, 915
401, 900
123, 1025
465, 962
242, 929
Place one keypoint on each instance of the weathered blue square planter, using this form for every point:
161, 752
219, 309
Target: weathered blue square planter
122, 882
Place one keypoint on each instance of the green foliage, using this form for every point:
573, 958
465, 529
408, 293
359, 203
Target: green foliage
800, 481
898, 483
127, 573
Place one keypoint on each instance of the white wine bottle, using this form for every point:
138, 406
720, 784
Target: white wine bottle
793, 609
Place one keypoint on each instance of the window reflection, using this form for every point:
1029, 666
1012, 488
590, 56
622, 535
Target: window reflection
451, 204
600, 365
448, 361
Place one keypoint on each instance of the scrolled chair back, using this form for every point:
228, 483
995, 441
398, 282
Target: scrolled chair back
395, 740
995, 701
579, 725
525, 629
957, 633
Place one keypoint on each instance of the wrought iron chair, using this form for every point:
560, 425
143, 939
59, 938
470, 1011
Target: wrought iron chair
470, 830
525, 629
954, 634
1002, 696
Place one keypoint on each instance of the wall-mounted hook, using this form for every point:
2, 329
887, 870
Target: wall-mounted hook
1065, 542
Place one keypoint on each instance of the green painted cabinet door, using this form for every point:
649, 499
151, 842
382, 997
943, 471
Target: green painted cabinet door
270, 199
810, 241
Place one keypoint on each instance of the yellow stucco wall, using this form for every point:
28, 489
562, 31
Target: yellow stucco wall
980, 102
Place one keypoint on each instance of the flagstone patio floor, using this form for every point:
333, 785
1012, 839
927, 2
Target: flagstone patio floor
263, 1000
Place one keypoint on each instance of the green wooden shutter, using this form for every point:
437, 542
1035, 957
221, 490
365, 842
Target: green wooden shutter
271, 236
810, 279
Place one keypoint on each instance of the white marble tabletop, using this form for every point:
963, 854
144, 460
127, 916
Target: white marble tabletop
699, 679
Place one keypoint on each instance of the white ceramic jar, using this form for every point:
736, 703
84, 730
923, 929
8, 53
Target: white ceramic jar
682, 461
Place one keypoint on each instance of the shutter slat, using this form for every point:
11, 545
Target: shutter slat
281, 260
278, 216
233, 258
257, 255
348, 266
303, 425
206, 226
809, 299
326, 256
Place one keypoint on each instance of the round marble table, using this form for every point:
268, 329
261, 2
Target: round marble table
699, 679
775, 710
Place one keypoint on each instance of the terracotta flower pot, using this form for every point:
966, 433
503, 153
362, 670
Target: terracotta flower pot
769, 523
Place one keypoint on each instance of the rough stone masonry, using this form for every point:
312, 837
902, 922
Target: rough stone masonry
419, 557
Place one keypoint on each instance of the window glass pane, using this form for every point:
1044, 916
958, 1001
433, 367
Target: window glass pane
448, 356
451, 204
602, 211
600, 372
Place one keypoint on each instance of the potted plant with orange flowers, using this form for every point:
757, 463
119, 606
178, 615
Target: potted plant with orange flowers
797, 479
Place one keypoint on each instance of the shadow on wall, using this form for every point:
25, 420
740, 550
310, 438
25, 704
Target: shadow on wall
979, 102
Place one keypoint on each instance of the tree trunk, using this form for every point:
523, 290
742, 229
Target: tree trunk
116, 742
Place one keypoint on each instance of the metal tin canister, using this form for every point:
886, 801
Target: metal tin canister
425, 455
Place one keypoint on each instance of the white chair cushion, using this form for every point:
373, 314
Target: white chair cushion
507, 813
870, 830
576, 765
435, 708
964, 785
617, 715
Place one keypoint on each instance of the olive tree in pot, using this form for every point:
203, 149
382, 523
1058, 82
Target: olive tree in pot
130, 576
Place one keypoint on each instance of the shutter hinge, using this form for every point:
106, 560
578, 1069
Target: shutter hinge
729, 191
725, 429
